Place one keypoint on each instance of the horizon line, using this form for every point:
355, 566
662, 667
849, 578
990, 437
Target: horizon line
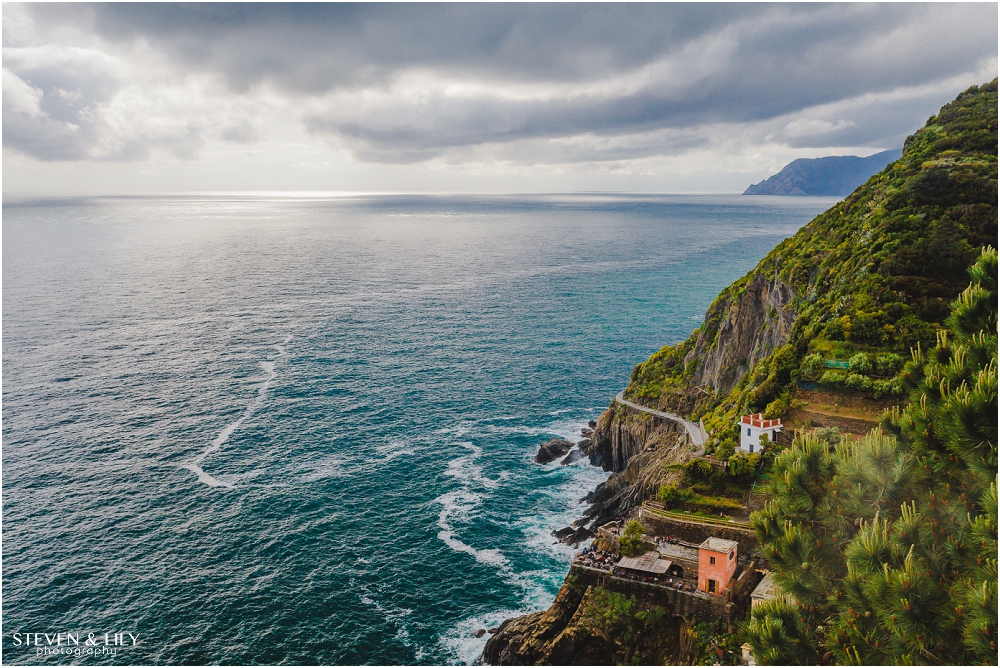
334, 194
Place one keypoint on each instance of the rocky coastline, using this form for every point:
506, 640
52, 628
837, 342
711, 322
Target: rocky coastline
643, 452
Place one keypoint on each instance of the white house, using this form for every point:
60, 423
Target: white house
752, 427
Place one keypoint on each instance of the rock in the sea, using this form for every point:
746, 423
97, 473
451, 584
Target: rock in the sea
563, 533
586, 432
480, 633
592, 424
573, 536
576, 454
492, 631
551, 450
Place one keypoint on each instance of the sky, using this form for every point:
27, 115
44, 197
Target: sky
144, 98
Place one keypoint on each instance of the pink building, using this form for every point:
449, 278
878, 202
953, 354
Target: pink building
716, 564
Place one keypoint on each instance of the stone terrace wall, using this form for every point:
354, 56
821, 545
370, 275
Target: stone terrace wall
705, 607
657, 525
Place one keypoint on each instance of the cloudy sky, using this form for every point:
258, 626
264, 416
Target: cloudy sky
123, 98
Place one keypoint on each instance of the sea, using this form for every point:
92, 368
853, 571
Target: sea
275, 428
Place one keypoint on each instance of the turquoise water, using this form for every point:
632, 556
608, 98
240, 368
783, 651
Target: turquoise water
300, 430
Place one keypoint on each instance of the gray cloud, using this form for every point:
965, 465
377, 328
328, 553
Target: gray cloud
408, 83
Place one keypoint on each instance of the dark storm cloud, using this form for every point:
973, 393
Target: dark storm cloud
403, 83
313, 47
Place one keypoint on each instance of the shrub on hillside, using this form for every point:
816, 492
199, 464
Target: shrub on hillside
861, 363
829, 435
743, 467
725, 449
887, 364
855, 381
632, 543
832, 378
672, 496
887, 387
812, 366
699, 470
776, 408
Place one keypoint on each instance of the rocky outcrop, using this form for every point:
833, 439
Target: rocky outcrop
573, 535
575, 455
557, 636
552, 449
576, 629
740, 330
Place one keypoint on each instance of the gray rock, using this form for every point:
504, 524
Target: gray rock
551, 450
573, 536
576, 454
480, 633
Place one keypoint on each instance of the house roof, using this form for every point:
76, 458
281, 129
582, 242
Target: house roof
676, 552
757, 420
718, 545
767, 589
649, 563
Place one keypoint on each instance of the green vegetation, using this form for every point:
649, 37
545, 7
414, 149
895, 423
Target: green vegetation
632, 543
671, 496
641, 634
874, 274
888, 547
743, 467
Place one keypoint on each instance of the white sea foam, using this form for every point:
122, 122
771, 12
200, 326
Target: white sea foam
537, 586
466, 470
195, 466
460, 504
461, 642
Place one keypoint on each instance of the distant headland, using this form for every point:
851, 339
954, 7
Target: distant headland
835, 175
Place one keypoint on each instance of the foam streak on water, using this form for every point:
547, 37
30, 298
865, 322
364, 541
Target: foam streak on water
370, 498
220, 440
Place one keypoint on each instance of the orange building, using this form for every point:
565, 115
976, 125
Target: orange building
716, 564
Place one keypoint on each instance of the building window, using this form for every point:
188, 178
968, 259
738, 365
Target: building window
748, 431
711, 560
731, 555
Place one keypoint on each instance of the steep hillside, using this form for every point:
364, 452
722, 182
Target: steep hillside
874, 274
833, 175
858, 287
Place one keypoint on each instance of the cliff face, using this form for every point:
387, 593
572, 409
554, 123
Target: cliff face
741, 328
637, 448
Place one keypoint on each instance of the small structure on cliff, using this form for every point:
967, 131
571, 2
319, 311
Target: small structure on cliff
716, 564
645, 564
767, 590
752, 427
